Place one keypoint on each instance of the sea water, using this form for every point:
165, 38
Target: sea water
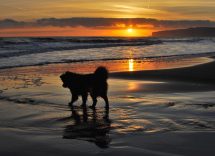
17, 52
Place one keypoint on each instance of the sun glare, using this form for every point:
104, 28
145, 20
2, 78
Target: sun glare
129, 30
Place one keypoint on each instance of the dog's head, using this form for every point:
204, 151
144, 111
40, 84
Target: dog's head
66, 79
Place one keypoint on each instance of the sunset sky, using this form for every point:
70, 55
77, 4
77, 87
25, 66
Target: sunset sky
25, 14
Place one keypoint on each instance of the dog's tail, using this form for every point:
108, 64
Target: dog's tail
101, 73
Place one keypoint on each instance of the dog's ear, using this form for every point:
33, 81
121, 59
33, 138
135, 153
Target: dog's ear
65, 73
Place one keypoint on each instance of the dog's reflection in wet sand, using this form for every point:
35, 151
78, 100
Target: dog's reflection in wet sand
89, 126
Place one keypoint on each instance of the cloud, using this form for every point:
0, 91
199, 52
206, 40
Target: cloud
107, 23
9, 23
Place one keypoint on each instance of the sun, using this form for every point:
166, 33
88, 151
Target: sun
129, 30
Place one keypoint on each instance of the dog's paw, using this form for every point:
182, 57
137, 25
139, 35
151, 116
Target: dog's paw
92, 107
83, 105
70, 104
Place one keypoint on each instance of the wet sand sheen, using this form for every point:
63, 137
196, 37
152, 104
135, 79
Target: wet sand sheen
146, 117
113, 66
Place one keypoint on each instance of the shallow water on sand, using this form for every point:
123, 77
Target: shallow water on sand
38, 105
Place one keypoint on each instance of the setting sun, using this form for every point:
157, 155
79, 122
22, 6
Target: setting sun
129, 30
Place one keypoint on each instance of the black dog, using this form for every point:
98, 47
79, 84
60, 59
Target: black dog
82, 84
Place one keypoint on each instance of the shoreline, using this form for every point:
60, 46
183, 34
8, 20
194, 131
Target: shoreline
114, 66
85, 61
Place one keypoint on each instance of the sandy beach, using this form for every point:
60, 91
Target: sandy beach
154, 110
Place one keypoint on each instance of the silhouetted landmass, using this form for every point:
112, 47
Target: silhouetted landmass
190, 32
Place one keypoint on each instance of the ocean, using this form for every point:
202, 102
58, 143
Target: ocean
19, 52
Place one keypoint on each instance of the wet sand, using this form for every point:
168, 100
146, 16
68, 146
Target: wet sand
199, 73
159, 112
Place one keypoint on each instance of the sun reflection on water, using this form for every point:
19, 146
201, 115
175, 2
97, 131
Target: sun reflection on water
131, 64
132, 86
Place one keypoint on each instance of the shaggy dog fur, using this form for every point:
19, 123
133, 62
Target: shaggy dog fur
82, 84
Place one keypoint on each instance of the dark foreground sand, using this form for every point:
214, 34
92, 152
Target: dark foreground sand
153, 113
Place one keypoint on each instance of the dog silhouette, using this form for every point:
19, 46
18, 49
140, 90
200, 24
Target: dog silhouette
81, 84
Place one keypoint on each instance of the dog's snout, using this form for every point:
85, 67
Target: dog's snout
64, 85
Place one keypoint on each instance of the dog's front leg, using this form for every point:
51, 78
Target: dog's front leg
94, 102
74, 98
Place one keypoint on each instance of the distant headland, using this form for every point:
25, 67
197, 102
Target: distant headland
190, 32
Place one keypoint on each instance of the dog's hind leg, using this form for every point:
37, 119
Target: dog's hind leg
106, 101
74, 98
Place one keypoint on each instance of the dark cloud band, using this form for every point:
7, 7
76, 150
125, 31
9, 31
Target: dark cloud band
105, 23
